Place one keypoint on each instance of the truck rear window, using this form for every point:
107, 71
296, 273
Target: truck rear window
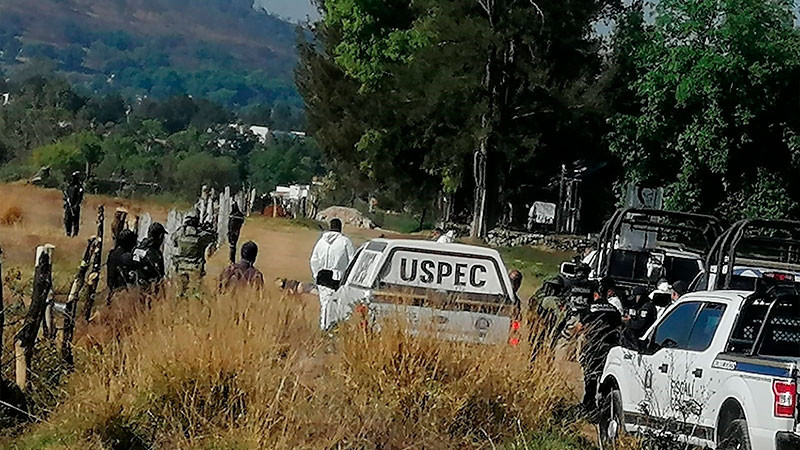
768, 327
443, 272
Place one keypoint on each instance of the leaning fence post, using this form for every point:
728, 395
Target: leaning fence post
97, 265
71, 308
26, 338
48, 325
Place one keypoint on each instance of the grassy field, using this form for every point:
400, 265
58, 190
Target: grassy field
252, 370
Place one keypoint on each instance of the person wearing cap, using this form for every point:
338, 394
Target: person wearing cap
679, 289
149, 257
73, 197
243, 273
642, 317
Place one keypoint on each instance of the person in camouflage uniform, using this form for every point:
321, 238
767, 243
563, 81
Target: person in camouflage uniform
191, 241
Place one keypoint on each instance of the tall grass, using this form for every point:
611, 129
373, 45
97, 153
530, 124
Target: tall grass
247, 371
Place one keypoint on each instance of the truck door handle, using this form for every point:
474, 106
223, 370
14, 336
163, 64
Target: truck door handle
698, 373
663, 368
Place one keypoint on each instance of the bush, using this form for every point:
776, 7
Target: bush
203, 168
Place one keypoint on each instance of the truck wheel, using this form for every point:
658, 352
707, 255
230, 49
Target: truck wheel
612, 420
736, 437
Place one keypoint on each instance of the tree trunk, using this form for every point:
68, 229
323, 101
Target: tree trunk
72, 303
97, 265
479, 213
26, 338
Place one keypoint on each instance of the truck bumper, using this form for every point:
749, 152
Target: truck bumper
787, 441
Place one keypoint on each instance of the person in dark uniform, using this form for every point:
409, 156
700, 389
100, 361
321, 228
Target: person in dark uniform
149, 258
600, 322
73, 197
235, 223
642, 317
121, 266
243, 273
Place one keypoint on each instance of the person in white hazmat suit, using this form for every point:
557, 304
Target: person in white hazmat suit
329, 260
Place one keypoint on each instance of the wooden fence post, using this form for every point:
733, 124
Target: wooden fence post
97, 265
119, 223
26, 338
72, 302
48, 325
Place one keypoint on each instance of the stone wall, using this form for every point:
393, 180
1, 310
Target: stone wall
507, 238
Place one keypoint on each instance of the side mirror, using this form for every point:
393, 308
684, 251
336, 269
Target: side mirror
568, 268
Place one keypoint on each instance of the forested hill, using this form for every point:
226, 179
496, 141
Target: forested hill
223, 50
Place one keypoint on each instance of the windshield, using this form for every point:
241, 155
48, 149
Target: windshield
637, 265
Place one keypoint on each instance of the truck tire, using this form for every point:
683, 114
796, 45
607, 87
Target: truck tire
612, 420
736, 436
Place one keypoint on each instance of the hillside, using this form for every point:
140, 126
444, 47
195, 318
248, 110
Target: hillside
220, 49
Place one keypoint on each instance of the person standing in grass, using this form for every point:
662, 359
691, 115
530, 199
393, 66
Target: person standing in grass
243, 273
149, 258
191, 240
329, 260
121, 266
73, 197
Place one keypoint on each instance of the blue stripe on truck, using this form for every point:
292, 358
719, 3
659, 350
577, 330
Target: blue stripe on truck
763, 370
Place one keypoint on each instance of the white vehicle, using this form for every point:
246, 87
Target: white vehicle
749, 250
450, 291
719, 369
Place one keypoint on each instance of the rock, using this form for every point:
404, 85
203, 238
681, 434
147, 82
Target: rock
349, 216
500, 237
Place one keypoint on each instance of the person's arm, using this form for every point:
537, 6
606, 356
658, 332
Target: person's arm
316, 260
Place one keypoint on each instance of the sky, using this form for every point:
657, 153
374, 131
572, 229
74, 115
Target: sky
294, 10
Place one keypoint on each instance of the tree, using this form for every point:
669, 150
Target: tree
285, 161
714, 112
427, 96
203, 169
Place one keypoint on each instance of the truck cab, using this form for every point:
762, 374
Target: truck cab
448, 291
719, 369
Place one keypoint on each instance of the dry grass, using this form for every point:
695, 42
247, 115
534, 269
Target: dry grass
252, 372
12, 215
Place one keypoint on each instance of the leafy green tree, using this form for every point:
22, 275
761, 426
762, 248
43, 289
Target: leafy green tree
713, 116
285, 161
200, 169
472, 98
70, 154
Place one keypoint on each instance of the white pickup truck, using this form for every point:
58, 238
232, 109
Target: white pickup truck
448, 291
718, 370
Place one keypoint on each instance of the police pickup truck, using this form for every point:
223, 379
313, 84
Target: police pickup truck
447, 291
719, 370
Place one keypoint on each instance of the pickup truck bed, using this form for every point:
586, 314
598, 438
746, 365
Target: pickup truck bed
719, 369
